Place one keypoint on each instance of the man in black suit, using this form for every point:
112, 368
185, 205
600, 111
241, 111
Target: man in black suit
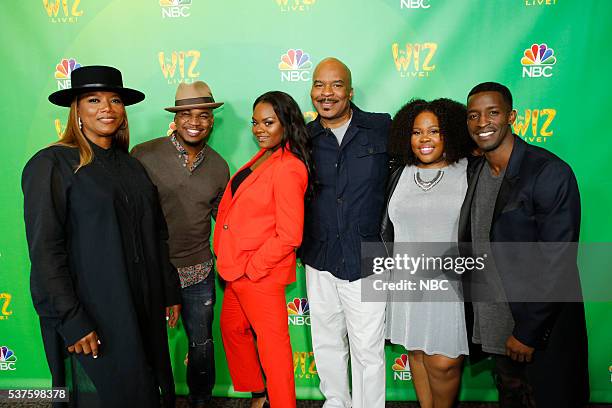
532, 319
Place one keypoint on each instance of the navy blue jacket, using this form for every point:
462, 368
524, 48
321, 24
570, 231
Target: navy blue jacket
539, 202
349, 197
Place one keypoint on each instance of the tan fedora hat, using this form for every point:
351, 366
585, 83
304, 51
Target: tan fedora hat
196, 95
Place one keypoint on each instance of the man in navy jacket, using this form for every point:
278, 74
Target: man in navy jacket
524, 202
349, 149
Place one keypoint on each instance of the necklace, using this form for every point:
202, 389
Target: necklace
427, 185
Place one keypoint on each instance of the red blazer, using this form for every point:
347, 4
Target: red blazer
259, 228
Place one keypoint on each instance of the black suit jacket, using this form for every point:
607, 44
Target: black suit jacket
538, 203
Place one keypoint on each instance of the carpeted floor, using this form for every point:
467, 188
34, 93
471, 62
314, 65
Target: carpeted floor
244, 403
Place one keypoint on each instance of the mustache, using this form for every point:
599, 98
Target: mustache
322, 100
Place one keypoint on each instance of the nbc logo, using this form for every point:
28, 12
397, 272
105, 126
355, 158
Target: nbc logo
539, 120
175, 8
7, 359
401, 369
414, 59
70, 10
299, 312
168, 65
63, 71
413, 4
295, 5
295, 66
5, 301
304, 364
538, 61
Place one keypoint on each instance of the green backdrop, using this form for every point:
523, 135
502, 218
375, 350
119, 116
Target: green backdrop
397, 50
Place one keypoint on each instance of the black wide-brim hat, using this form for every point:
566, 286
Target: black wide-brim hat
95, 78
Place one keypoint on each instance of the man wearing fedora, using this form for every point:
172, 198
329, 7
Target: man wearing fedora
191, 178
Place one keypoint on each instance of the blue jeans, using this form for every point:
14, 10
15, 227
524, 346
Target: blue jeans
197, 314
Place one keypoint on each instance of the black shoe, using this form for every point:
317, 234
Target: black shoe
204, 404
207, 403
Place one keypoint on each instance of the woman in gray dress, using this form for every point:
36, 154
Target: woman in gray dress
429, 144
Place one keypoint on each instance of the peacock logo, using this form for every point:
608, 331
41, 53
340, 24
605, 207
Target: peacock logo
539, 54
295, 60
295, 65
65, 68
63, 71
7, 359
538, 61
401, 369
298, 307
299, 312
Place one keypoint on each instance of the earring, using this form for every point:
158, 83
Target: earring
80, 124
171, 128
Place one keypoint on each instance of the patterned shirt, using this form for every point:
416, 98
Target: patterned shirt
190, 275
199, 158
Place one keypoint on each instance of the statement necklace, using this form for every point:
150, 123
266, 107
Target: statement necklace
427, 185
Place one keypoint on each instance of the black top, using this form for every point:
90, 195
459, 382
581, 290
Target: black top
239, 178
97, 242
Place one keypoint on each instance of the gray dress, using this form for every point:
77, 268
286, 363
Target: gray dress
428, 216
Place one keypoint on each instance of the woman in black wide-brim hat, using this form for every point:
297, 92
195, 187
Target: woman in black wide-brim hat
101, 279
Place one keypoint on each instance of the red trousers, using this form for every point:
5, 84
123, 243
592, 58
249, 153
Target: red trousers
260, 307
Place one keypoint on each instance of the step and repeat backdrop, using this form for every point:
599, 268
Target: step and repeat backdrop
553, 54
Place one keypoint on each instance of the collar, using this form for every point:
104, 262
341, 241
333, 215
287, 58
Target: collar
177, 144
359, 118
516, 157
277, 153
99, 151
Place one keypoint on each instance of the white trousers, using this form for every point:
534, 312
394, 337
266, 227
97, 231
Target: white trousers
337, 312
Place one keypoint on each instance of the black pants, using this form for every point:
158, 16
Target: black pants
543, 383
512, 383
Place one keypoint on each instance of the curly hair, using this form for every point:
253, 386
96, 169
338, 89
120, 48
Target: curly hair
451, 117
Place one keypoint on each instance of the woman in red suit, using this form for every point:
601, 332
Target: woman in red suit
258, 228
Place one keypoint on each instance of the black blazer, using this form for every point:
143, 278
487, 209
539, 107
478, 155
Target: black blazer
386, 226
539, 202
